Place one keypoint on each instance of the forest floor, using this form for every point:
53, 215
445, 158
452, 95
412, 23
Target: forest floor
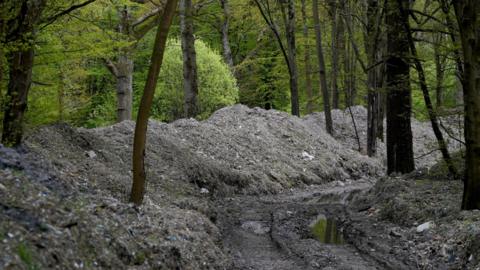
245, 189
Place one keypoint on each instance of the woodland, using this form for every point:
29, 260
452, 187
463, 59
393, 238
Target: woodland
373, 86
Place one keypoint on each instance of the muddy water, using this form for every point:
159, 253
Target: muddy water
326, 231
288, 232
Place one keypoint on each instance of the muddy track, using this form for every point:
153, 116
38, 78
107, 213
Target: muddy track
274, 232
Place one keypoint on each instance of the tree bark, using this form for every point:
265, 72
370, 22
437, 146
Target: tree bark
20, 80
190, 77
335, 51
20, 68
124, 87
322, 74
399, 131
440, 63
371, 47
140, 136
308, 66
340, 52
227, 52
292, 55
468, 17
426, 95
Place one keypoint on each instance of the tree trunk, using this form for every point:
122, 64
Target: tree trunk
308, 66
399, 131
20, 80
340, 52
442, 145
335, 51
124, 87
382, 93
227, 52
140, 137
468, 16
440, 61
292, 55
346, 75
190, 77
371, 47
322, 73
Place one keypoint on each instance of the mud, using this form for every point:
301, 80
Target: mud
275, 232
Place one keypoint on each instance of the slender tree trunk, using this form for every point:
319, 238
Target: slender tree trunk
227, 52
440, 61
340, 52
399, 131
382, 88
292, 55
426, 95
190, 77
335, 51
308, 66
321, 66
468, 17
371, 47
140, 137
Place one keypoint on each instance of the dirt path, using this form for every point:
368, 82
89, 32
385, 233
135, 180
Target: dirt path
274, 232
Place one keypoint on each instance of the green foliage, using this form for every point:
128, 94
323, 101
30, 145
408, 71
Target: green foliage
72, 84
26, 256
217, 86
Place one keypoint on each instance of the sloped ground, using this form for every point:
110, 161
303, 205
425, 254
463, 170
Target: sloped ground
62, 199
387, 223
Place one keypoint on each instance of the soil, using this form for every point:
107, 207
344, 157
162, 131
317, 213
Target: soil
240, 190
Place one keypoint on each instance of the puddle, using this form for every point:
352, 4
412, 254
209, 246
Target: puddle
326, 231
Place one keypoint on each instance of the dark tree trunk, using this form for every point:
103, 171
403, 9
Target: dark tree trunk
468, 17
227, 52
371, 47
308, 66
340, 52
190, 77
442, 145
20, 67
346, 75
382, 89
399, 132
140, 136
336, 20
440, 63
20, 79
292, 55
322, 73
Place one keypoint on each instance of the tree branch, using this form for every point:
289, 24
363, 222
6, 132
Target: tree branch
53, 18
